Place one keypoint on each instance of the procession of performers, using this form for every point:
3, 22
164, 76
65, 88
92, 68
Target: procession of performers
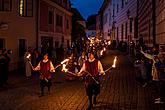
88, 67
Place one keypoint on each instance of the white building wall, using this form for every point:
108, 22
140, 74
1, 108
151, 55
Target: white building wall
160, 22
120, 18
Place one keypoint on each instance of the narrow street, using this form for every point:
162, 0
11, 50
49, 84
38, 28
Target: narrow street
119, 91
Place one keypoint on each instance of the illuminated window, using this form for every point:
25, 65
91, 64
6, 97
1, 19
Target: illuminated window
5, 5
26, 8
21, 7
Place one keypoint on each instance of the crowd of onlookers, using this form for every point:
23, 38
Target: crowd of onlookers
4, 66
151, 69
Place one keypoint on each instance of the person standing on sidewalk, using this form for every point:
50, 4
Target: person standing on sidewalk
45, 67
158, 72
6, 65
95, 69
26, 61
2, 70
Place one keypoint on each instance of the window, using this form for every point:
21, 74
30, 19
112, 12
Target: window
117, 33
113, 15
122, 32
122, 5
126, 1
105, 18
29, 8
2, 43
110, 19
59, 20
117, 10
22, 47
26, 8
62, 39
126, 30
67, 24
50, 19
5, 5
131, 20
65, 2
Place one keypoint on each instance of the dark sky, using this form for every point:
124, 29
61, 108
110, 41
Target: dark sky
87, 7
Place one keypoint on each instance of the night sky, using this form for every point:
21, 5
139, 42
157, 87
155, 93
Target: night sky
87, 7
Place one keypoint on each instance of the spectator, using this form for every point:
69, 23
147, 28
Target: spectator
27, 64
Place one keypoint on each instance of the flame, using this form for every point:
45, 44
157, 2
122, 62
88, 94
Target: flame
101, 52
64, 61
64, 68
114, 62
109, 42
28, 56
104, 49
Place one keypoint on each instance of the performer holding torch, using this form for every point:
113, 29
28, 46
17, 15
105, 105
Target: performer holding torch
91, 70
45, 67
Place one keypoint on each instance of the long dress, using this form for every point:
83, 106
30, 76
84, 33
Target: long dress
27, 64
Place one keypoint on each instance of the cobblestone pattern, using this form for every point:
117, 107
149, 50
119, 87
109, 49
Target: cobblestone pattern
119, 91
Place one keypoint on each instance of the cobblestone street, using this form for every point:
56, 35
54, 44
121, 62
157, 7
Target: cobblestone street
119, 91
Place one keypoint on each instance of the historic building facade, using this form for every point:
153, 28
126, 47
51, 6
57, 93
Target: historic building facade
120, 20
147, 21
42, 24
17, 28
55, 24
160, 22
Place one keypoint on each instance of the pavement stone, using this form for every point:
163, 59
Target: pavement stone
119, 91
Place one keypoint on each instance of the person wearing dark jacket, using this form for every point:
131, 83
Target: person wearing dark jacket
4, 67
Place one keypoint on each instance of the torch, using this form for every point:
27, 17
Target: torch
66, 70
113, 66
92, 77
64, 61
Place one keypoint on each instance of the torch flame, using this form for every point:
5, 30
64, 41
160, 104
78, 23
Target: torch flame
104, 49
64, 61
101, 52
28, 56
64, 68
114, 62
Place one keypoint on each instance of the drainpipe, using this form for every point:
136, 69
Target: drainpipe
37, 16
154, 21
